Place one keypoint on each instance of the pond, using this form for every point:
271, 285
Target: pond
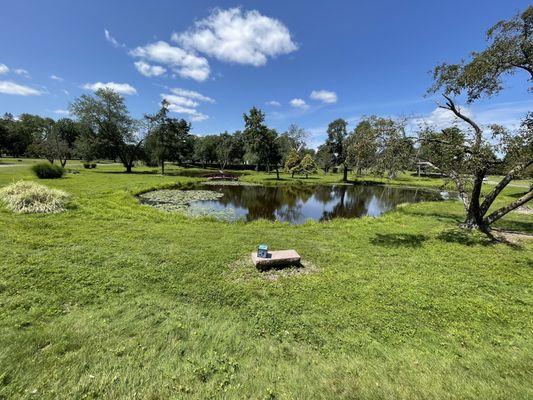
296, 204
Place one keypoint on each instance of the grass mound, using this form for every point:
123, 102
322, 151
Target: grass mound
47, 171
30, 197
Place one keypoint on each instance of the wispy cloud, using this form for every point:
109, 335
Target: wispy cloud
185, 102
56, 78
3, 69
122, 88
22, 72
61, 112
8, 87
273, 103
185, 64
112, 40
192, 94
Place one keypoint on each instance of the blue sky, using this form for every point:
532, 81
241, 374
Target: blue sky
301, 62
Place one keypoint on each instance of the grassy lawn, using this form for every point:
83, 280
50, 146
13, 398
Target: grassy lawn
116, 300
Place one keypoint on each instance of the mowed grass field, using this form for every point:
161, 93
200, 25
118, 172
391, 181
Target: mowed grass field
116, 300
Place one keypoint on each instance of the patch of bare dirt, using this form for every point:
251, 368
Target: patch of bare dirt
511, 237
524, 210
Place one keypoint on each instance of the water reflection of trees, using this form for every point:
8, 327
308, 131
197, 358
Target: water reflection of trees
285, 202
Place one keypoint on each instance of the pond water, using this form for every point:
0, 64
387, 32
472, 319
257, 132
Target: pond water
297, 204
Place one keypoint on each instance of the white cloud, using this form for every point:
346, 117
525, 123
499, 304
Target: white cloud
273, 103
183, 101
509, 115
149, 70
65, 91
111, 39
299, 103
22, 72
3, 69
179, 100
193, 114
185, 64
240, 37
62, 112
8, 87
56, 78
325, 96
122, 88
440, 118
192, 95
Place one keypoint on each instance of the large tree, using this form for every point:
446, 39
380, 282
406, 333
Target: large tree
509, 50
336, 144
263, 142
379, 145
58, 142
467, 157
111, 130
168, 138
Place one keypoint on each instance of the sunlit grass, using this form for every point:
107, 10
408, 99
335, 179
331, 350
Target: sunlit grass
113, 299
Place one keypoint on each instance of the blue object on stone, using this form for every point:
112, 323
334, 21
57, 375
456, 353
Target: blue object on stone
262, 251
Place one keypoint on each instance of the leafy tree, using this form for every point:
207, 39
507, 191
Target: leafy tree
111, 131
336, 144
205, 149
58, 142
168, 138
4, 136
225, 149
324, 157
511, 49
308, 165
380, 146
292, 162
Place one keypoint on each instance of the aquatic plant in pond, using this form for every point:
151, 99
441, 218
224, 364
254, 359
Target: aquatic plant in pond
175, 199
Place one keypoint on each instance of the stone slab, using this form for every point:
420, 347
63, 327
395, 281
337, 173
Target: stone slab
276, 259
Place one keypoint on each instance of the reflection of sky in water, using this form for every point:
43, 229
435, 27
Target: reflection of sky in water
299, 204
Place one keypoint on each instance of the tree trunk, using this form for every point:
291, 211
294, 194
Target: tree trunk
277, 173
345, 174
63, 162
128, 168
162, 166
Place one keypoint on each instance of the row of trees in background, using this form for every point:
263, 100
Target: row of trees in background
465, 154
103, 128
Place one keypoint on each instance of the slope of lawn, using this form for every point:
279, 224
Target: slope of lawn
116, 300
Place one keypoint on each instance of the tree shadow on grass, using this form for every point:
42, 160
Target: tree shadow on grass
398, 240
475, 238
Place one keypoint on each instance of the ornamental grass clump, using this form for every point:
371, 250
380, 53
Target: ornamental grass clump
31, 197
48, 171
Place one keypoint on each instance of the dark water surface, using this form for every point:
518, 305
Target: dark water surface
297, 204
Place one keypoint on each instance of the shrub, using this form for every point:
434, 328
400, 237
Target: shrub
47, 171
93, 165
32, 197
87, 165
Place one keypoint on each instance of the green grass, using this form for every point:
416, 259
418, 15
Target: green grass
116, 300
